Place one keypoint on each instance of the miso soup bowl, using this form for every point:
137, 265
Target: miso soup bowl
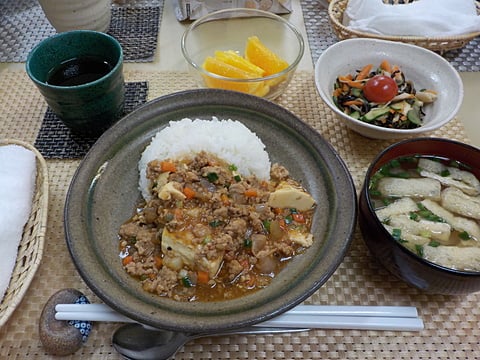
401, 262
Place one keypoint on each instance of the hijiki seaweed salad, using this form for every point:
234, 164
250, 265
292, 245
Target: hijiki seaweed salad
382, 96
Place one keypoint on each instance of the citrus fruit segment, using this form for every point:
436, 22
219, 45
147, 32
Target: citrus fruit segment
220, 68
257, 53
233, 58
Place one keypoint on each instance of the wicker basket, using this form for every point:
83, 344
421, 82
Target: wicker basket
439, 44
30, 249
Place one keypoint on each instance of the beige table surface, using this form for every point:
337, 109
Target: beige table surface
451, 323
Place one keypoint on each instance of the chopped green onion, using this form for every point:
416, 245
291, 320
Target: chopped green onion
237, 178
187, 282
266, 225
232, 167
212, 177
464, 235
288, 219
413, 216
428, 215
397, 234
419, 250
445, 173
215, 223
247, 243
433, 243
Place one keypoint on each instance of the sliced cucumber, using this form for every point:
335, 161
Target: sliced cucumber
375, 114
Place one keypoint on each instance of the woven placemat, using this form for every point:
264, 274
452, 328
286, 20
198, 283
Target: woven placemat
135, 24
320, 36
55, 141
451, 322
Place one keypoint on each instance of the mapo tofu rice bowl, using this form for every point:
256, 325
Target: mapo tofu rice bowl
217, 220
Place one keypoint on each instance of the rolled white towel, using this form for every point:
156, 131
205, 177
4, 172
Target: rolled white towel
427, 18
17, 186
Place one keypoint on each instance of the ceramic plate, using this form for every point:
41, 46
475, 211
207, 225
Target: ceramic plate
104, 191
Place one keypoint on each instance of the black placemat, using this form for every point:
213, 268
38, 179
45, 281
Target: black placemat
55, 141
135, 24
320, 36
137, 30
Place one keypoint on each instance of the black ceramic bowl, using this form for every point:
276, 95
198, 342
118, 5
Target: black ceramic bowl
401, 262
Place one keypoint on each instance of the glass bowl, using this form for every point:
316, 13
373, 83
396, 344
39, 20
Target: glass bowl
229, 29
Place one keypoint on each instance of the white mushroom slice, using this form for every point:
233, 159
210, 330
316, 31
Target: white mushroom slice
305, 240
180, 244
454, 257
402, 96
460, 203
169, 190
430, 229
426, 96
288, 196
401, 206
459, 223
413, 187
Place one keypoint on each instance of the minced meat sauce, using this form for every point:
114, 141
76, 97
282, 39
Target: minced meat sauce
209, 234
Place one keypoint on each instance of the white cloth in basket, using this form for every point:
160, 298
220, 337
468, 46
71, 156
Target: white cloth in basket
426, 18
17, 185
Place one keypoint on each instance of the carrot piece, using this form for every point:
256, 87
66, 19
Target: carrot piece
225, 199
245, 264
178, 214
364, 72
356, 84
189, 192
385, 65
158, 262
345, 79
127, 260
252, 280
167, 166
202, 277
337, 92
353, 102
251, 193
298, 218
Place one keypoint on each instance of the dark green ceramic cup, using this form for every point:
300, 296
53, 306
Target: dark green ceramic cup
86, 108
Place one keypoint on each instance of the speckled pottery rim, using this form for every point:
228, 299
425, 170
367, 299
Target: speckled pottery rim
103, 194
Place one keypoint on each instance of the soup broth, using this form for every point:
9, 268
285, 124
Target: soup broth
431, 206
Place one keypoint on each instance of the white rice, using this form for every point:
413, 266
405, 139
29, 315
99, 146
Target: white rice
229, 140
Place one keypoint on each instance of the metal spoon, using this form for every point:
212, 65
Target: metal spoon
135, 341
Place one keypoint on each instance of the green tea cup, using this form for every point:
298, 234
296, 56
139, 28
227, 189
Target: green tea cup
80, 75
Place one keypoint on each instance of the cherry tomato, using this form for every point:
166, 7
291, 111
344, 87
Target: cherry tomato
380, 89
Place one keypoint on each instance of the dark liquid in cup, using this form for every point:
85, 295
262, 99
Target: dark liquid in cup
78, 71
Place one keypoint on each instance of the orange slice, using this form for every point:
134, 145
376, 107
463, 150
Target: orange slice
233, 58
257, 53
218, 67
